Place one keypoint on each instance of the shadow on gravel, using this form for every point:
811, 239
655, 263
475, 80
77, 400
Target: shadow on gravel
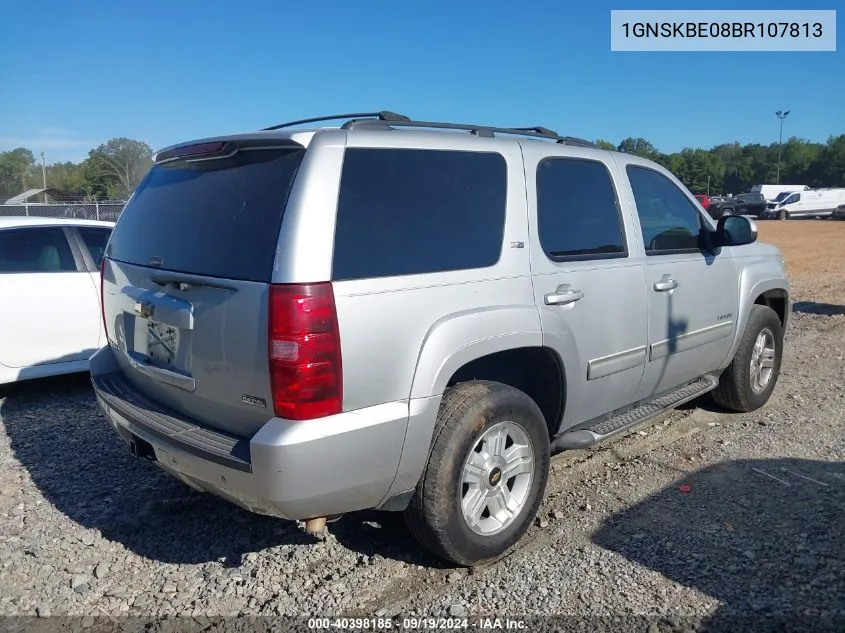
706, 403
79, 464
813, 307
764, 537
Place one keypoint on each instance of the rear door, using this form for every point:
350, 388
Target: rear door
589, 287
49, 308
186, 280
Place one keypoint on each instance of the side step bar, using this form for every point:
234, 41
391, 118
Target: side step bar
609, 426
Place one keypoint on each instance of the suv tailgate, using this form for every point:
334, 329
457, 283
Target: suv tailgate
186, 281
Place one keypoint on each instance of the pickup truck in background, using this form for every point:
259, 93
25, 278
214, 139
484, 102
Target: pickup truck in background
740, 204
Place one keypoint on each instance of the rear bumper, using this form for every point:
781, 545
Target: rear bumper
293, 470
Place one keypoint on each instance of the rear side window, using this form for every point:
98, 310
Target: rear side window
95, 241
219, 218
407, 212
577, 212
35, 250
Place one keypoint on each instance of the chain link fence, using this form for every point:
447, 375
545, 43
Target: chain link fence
107, 210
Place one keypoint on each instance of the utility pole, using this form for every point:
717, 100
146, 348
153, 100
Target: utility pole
44, 176
781, 115
708, 185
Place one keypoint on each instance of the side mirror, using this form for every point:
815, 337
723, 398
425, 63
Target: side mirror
736, 230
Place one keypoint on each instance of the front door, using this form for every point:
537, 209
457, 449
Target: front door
692, 291
590, 293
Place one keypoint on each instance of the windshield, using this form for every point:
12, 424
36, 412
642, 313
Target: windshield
782, 196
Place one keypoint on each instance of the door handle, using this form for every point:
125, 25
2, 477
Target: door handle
665, 284
564, 295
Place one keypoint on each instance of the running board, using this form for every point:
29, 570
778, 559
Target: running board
609, 426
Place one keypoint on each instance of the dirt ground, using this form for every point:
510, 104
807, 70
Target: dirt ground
815, 257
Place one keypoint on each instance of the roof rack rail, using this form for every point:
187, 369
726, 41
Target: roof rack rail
537, 128
384, 115
478, 130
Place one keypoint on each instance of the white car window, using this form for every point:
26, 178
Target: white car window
95, 240
35, 250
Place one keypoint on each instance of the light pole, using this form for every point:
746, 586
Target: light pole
44, 176
781, 115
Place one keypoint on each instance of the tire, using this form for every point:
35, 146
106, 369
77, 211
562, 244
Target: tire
738, 390
727, 211
783, 215
469, 412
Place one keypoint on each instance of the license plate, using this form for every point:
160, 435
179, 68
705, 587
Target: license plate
162, 342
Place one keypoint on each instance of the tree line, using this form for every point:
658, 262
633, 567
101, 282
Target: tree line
735, 168
113, 169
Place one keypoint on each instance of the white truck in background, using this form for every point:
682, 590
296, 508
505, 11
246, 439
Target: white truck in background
770, 192
820, 203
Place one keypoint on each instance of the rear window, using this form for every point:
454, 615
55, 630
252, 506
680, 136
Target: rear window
219, 218
410, 211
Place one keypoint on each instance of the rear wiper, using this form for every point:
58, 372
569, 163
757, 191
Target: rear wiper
186, 284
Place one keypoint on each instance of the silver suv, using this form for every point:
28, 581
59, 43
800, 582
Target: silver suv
412, 316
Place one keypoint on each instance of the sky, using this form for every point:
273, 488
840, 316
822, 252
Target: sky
74, 74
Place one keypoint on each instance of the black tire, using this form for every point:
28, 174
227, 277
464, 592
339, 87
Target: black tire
727, 211
783, 215
735, 391
434, 516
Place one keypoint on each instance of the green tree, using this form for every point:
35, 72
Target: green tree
115, 168
15, 168
828, 170
638, 147
602, 144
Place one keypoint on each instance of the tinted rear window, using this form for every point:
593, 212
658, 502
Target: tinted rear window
578, 216
219, 218
408, 211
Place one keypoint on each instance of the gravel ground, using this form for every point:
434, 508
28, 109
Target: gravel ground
700, 516
85, 529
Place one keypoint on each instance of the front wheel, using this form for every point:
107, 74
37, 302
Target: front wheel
750, 379
782, 215
728, 212
486, 474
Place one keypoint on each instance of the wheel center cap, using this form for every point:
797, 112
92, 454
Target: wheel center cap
495, 476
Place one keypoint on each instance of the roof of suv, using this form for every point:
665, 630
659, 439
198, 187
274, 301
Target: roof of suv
380, 122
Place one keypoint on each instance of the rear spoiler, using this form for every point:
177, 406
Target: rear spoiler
213, 149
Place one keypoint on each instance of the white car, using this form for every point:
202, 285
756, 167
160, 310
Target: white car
50, 316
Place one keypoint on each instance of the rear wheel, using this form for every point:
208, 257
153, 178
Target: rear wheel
485, 476
750, 379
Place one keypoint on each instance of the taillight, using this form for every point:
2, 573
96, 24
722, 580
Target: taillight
102, 297
304, 348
